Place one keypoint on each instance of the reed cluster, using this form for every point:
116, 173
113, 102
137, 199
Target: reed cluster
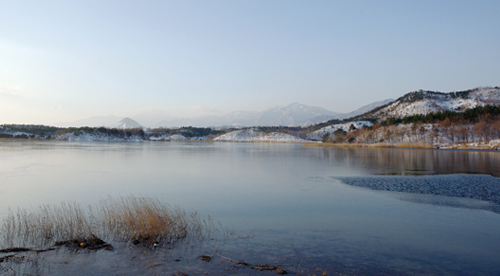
149, 221
139, 220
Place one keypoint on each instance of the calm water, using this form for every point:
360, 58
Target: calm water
283, 198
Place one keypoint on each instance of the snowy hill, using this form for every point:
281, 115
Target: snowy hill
126, 123
252, 135
318, 134
424, 102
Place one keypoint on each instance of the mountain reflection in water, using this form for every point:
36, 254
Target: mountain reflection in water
391, 161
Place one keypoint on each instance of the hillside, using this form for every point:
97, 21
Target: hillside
253, 135
425, 102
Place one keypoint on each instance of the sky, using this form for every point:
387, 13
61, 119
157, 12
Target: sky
70, 60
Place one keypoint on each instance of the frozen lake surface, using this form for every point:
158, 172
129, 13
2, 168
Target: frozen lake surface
307, 210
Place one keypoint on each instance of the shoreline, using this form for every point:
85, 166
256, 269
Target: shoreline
421, 146
418, 146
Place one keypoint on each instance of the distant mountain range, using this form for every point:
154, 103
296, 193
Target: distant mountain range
291, 115
295, 114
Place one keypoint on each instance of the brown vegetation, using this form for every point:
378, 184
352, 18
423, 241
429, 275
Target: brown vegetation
142, 221
418, 135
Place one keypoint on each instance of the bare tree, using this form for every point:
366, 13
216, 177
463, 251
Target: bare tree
495, 129
480, 130
463, 132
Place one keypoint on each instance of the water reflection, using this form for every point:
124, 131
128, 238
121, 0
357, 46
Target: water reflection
385, 161
282, 195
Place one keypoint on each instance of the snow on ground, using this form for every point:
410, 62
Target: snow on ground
252, 135
430, 105
97, 137
177, 137
16, 133
20, 133
180, 137
158, 138
489, 96
318, 134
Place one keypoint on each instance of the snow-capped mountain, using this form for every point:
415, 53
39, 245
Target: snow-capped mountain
295, 114
291, 115
424, 102
126, 123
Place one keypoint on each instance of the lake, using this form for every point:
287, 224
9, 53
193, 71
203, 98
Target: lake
286, 203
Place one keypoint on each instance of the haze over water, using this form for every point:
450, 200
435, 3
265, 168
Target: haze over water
285, 197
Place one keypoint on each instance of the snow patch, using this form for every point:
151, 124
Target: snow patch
318, 134
252, 135
97, 137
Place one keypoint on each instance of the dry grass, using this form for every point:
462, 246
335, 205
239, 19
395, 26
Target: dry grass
335, 145
417, 145
140, 220
149, 221
46, 225
376, 145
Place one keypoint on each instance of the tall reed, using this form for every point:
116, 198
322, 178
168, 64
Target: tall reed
140, 220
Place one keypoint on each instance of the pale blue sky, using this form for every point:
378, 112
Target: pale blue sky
69, 60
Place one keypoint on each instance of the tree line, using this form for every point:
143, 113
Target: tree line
480, 124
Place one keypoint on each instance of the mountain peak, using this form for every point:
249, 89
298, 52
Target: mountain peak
127, 123
295, 104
